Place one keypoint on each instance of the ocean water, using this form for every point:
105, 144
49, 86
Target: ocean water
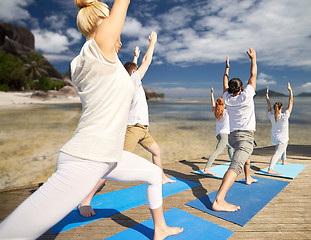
186, 128
201, 110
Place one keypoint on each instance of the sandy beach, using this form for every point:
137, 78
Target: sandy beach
20, 99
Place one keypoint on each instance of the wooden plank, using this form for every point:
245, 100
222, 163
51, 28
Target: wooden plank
287, 216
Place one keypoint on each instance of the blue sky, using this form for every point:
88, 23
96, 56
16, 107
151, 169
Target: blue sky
194, 38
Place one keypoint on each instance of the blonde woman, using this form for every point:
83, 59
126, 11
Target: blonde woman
95, 149
279, 131
222, 132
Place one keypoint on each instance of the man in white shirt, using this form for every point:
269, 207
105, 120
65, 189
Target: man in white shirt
241, 110
138, 122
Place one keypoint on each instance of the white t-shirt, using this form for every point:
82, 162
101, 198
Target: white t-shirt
222, 125
279, 130
139, 107
241, 109
105, 91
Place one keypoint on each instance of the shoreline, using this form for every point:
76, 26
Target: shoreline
22, 99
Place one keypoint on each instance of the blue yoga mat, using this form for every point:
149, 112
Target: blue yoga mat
108, 204
288, 171
220, 171
194, 228
251, 198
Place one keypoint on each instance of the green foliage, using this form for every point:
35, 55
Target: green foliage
11, 70
4, 88
29, 71
58, 85
44, 84
34, 65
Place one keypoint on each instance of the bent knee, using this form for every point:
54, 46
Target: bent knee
236, 167
155, 175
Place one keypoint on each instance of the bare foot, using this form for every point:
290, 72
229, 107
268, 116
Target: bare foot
250, 180
270, 171
86, 210
208, 172
162, 233
284, 163
224, 206
165, 180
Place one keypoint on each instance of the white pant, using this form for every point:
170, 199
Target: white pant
69, 185
280, 152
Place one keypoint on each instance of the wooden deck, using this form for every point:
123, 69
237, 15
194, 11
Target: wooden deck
287, 216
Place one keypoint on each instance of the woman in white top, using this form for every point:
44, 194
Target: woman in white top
95, 149
222, 132
241, 109
279, 131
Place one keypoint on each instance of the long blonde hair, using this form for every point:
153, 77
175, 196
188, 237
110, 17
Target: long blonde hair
91, 11
219, 108
277, 110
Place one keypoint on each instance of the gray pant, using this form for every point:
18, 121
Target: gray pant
243, 144
222, 143
280, 152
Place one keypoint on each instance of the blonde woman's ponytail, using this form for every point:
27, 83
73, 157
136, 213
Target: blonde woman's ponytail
91, 11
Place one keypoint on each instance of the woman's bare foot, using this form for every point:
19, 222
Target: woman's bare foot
250, 180
165, 179
162, 233
270, 171
86, 210
224, 206
284, 163
208, 172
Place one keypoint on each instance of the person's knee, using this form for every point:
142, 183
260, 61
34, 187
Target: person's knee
236, 167
155, 175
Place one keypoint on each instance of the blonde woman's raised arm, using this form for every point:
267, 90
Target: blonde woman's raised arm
109, 29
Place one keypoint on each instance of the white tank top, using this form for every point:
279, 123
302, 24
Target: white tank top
223, 125
105, 90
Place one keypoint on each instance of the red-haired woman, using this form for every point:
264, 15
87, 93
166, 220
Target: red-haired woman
222, 131
279, 131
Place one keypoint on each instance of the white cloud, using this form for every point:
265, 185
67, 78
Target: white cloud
73, 35
56, 22
56, 58
265, 79
50, 42
208, 31
14, 10
304, 88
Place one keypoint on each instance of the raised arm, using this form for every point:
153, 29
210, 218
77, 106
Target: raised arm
252, 80
268, 100
226, 76
291, 98
212, 99
110, 28
136, 54
148, 56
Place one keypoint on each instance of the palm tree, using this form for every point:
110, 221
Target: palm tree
34, 65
